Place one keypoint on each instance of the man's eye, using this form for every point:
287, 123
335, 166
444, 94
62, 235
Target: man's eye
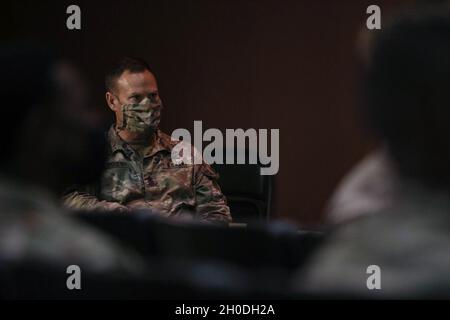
154, 96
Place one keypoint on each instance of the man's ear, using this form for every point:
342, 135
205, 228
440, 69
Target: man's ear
111, 100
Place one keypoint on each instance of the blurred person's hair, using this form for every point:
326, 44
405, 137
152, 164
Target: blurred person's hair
27, 84
45, 142
408, 96
130, 64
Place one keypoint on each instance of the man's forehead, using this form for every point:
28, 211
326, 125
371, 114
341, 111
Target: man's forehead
137, 81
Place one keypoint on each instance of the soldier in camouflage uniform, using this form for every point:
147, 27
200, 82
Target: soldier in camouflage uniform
140, 172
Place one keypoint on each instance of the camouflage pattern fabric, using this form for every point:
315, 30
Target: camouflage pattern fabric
149, 179
33, 227
139, 117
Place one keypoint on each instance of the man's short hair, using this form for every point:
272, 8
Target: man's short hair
27, 84
408, 94
130, 64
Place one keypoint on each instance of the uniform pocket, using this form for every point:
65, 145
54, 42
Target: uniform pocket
174, 183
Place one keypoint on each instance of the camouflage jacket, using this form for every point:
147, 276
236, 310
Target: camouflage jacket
34, 228
151, 180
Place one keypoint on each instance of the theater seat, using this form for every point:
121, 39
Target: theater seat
247, 191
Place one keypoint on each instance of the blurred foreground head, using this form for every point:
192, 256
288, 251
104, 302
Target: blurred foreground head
48, 137
408, 93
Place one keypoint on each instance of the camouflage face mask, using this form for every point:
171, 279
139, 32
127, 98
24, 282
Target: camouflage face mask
141, 117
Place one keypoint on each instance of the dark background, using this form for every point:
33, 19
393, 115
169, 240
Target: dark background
290, 65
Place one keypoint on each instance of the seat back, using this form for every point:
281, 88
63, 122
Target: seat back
247, 191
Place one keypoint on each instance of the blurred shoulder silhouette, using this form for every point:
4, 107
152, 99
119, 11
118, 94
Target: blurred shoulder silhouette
371, 186
407, 105
49, 141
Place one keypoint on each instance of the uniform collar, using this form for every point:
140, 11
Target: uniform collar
163, 142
